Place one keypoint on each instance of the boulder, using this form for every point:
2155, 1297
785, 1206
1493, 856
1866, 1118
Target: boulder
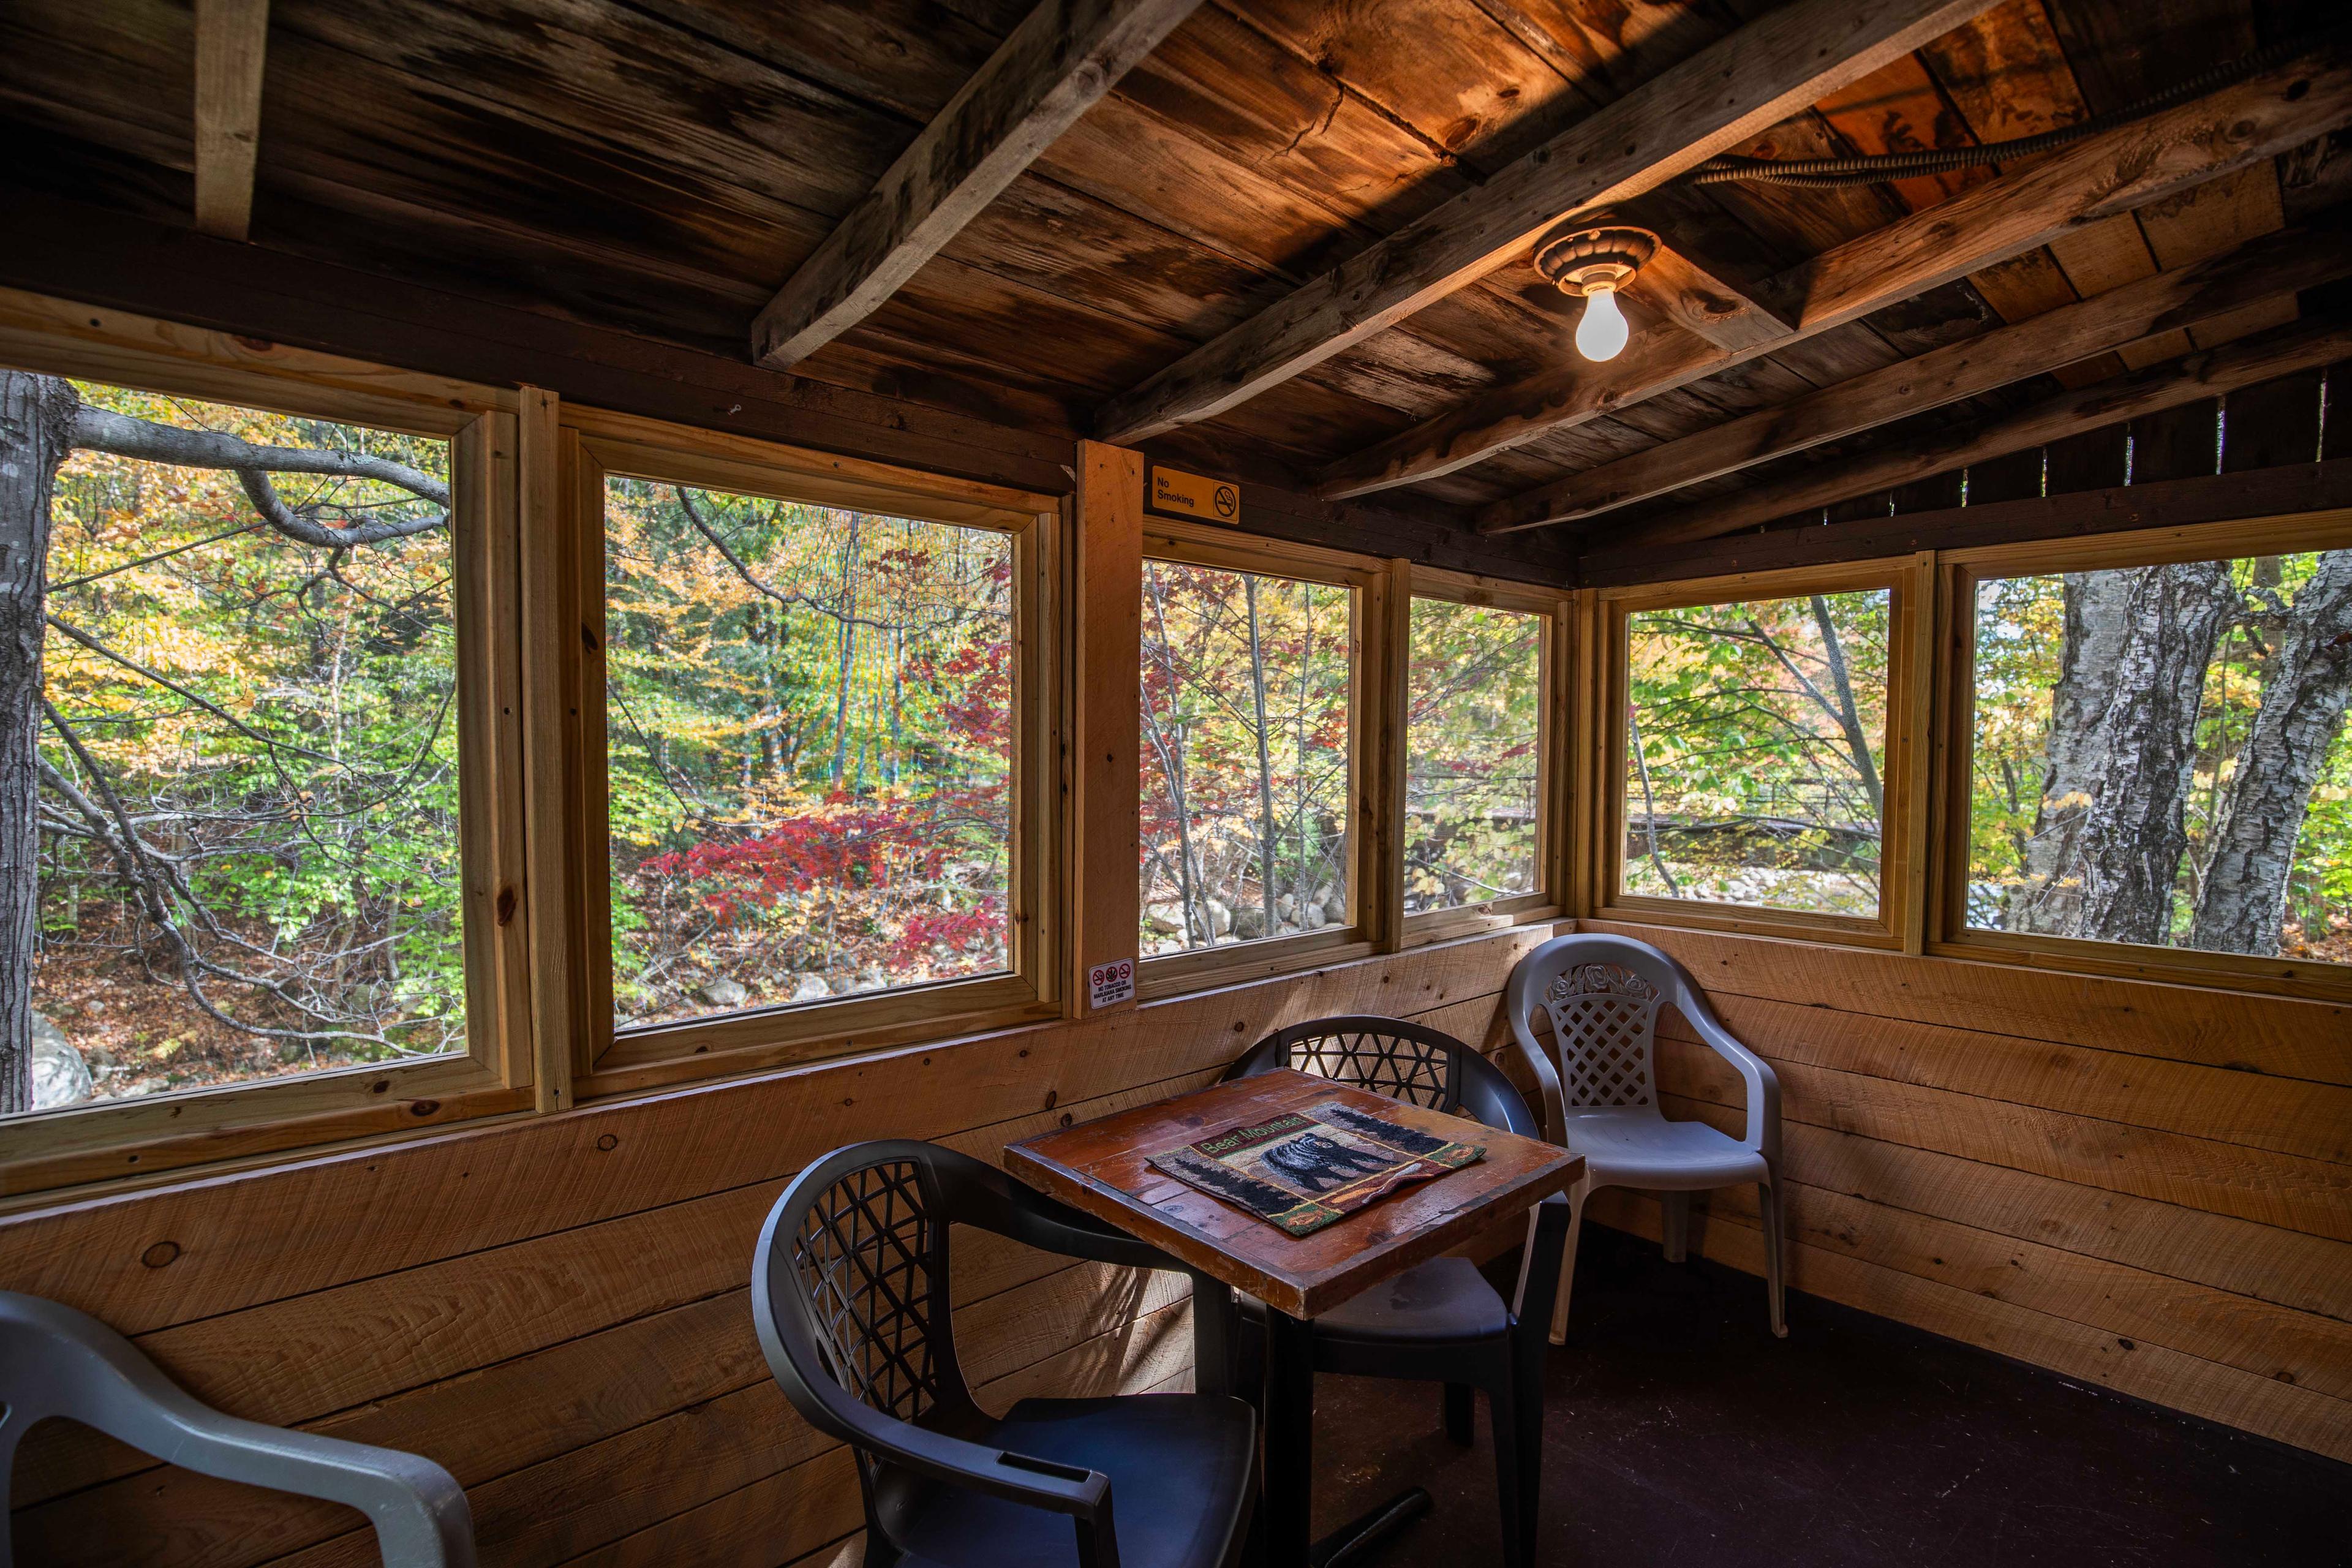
59, 1075
812, 988
725, 993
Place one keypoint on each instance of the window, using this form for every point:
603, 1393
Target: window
1475, 738
266, 874
2160, 758
1248, 763
814, 794
809, 729
1753, 752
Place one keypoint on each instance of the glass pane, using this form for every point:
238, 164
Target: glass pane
1474, 750
1754, 741
2161, 756
248, 858
809, 733
1246, 787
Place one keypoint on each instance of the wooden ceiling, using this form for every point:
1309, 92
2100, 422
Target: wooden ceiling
666, 166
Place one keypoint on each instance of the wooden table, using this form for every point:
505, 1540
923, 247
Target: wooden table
1103, 1167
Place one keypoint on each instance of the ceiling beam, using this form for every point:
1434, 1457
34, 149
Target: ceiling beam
232, 36
1685, 290
2116, 172
1719, 98
2282, 351
2275, 265
1049, 71
2073, 514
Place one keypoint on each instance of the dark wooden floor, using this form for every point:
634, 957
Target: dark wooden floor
1679, 1432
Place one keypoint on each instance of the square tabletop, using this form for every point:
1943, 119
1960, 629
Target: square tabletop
1103, 1167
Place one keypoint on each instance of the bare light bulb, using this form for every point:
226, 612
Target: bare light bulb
1602, 333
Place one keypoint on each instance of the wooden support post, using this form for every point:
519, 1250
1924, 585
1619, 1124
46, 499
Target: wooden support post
1388, 623
1106, 617
232, 37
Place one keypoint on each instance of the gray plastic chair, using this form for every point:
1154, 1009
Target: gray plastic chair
55, 1361
1601, 996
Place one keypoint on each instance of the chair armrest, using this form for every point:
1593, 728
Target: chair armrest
1763, 1083
90, 1373
1539, 1063
1080, 1494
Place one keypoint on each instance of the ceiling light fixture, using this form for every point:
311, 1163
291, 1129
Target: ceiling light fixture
1594, 264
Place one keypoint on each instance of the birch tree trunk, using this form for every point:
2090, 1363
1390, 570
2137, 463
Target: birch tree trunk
2243, 904
36, 422
2123, 748
1266, 839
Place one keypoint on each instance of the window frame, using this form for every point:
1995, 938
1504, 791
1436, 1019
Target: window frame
1959, 574
595, 445
1372, 778
1555, 609
503, 928
1908, 582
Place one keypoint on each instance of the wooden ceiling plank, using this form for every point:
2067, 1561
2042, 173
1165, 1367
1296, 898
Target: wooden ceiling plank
2111, 173
1704, 106
1054, 66
2282, 351
2213, 289
232, 39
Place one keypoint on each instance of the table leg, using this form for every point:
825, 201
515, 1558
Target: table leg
1288, 1499
1287, 1505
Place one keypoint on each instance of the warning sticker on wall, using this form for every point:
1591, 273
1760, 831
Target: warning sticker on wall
1193, 495
1109, 983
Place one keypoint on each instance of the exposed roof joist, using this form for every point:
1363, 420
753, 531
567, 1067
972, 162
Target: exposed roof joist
232, 39
2096, 179
2275, 265
2282, 351
1049, 71
1721, 97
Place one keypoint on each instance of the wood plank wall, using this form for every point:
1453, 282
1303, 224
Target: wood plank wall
2143, 1186
556, 1309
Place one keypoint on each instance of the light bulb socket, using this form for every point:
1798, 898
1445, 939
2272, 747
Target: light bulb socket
1578, 260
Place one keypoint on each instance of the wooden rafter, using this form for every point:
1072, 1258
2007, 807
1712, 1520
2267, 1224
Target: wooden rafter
232, 37
1049, 71
2282, 351
2266, 269
1709, 103
2104, 176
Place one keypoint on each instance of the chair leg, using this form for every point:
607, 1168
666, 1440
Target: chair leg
1510, 1471
1461, 1413
1767, 1203
1528, 1400
1576, 1196
1674, 1224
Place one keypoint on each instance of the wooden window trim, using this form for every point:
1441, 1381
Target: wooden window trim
1371, 927
605, 1062
1908, 582
505, 926
1948, 933
1557, 656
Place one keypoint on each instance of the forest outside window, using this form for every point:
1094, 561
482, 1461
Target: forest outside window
258, 747
1752, 757
1476, 766
1249, 754
816, 749
2160, 757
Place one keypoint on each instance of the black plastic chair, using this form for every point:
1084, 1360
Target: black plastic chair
849, 1290
1441, 1322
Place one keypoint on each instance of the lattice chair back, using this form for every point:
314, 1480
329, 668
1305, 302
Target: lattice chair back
869, 1257
1600, 996
1399, 1059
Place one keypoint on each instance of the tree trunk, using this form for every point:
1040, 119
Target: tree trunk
2098, 613
37, 419
1266, 838
2243, 904
2131, 786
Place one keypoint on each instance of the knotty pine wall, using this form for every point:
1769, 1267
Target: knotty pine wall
557, 1311
2139, 1185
